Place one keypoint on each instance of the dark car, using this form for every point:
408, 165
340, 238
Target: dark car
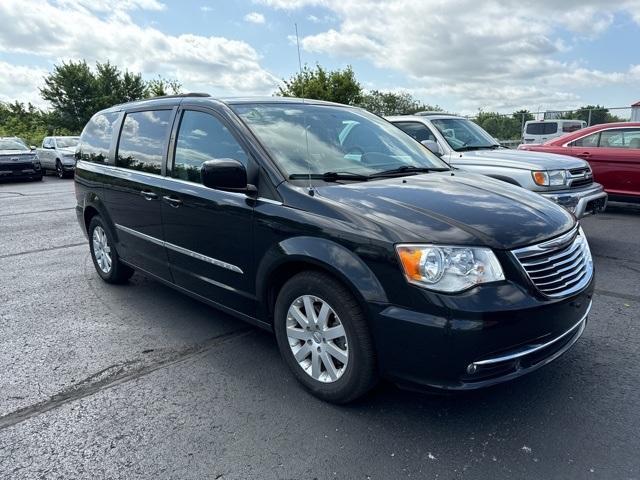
17, 161
364, 253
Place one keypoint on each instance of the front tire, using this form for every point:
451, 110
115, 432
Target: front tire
59, 170
104, 254
324, 338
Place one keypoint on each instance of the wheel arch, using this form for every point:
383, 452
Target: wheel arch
299, 254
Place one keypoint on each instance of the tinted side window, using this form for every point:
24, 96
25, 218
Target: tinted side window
588, 142
142, 140
96, 138
542, 128
417, 130
571, 126
202, 137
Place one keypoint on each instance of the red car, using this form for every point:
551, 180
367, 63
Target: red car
612, 150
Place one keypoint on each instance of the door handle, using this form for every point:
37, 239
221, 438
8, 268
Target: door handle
173, 201
148, 195
584, 155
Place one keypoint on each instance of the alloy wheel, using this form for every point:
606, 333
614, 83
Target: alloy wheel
101, 249
317, 338
59, 170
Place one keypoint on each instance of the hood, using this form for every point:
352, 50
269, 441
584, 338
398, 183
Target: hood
524, 159
68, 150
460, 208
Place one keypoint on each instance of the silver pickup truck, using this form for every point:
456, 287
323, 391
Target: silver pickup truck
58, 155
462, 143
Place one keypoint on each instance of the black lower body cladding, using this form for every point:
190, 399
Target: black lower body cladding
470, 348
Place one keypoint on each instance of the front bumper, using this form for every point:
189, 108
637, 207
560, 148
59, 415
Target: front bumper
580, 202
69, 167
480, 338
20, 171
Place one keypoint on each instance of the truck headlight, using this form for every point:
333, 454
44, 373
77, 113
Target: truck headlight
549, 178
448, 268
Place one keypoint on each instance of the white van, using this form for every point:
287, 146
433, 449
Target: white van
539, 131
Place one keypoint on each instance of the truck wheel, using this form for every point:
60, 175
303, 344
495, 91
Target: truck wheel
59, 170
104, 254
323, 337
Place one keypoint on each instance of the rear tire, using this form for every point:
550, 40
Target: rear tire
336, 359
104, 254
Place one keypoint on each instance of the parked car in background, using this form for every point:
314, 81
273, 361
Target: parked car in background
17, 161
464, 144
58, 155
612, 150
539, 131
362, 251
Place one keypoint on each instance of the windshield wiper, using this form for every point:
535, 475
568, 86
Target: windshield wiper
407, 169
330, 176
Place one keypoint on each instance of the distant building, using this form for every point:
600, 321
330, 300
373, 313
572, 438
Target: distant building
635, 112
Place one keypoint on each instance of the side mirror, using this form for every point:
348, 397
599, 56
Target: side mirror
32, 147
433, 147
226, 174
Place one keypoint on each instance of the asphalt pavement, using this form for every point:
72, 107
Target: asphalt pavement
140, 381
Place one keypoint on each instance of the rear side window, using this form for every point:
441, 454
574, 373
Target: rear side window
542, 128
203, 137
416, 130
143, 140
96, 138
620, 138
571, 126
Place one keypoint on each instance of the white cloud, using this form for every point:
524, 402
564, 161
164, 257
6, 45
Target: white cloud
254, 17
21, 83
72, 30
496, 54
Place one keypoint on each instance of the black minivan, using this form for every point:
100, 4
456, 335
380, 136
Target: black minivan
364, 253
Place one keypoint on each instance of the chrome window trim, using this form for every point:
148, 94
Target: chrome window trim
179, 249
598, 131
83, 163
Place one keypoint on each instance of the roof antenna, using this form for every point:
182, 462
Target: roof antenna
306, 131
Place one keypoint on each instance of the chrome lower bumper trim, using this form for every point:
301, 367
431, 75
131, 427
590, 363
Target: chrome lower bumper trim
529, 349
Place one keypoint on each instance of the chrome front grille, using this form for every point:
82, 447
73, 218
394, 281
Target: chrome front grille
558, 267
580, 177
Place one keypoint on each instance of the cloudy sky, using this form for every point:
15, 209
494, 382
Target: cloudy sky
460, 54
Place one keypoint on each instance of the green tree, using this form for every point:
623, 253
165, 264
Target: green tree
503, 127
75, 92
71, 90
338, 86
391, 103
598, 115
159, 87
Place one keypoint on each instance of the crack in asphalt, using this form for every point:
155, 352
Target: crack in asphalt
38, 250
116, 374
623, 296
37, 211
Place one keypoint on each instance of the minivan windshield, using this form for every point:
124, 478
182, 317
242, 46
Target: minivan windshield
311, 139
67, 142
462, 134
12, 144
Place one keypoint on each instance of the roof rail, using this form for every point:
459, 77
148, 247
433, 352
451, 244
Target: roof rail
433, 112
182, 95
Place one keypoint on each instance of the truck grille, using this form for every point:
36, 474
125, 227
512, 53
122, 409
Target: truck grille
580, 177
558, 267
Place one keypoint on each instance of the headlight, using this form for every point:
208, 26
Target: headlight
551, 178
448, 268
